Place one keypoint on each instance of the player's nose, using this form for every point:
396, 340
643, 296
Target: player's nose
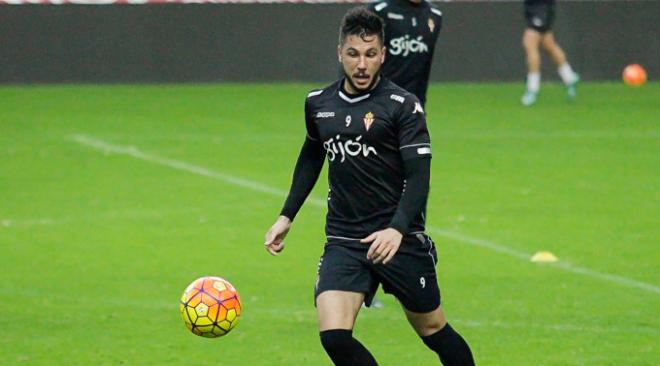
362, 64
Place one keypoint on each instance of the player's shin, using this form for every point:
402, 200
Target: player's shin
450, 347
565, 71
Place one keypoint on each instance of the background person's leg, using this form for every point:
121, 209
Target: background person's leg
531, 41
564, 69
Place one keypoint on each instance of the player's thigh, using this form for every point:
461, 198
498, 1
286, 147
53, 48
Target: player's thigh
531, 39
338, 309
410, 276
344, 282
548, 41
428, 323
344, 267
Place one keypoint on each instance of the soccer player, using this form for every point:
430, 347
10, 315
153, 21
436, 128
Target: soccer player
411, 31
374, 136
540, 15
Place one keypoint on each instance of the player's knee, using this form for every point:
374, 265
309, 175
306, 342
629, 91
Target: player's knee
431, 327
336, 340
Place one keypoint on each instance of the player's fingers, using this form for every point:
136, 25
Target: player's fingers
369, 238
373, 248
389, 249
274, 249
382, 254
269, 238
389, 256
378, 250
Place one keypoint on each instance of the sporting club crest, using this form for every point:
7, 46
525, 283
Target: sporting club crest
368, 120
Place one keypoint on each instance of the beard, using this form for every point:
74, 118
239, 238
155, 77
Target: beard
373, 82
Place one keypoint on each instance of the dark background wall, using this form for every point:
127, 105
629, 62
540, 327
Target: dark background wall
296, 42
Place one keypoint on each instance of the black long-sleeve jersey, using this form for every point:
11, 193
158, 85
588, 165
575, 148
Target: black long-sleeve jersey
411, 32
373, 142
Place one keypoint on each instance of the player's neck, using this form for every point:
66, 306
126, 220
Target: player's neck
350, 90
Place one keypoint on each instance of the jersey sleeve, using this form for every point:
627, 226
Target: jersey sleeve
307, 169
413, 200
414, 140
312, 131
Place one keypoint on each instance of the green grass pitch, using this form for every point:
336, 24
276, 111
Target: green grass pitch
114, 198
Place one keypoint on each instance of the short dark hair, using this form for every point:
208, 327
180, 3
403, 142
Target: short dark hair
360, 21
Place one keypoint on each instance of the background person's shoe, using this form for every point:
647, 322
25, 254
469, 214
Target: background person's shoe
528, 98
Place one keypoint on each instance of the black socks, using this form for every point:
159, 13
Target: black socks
344, 350
450, 346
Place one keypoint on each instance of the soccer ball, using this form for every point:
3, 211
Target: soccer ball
634, 75
210, 307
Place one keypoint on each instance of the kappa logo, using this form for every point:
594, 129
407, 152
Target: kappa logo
418, 108
395, 16
424, 151
368, 120
398, 98
325, 114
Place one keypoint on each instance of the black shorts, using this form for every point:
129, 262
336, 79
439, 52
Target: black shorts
410, 276
540, 17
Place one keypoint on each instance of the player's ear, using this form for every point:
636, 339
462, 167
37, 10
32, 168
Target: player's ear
339, 52
382, 54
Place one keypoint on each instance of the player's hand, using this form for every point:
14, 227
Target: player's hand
274, 241
384, 245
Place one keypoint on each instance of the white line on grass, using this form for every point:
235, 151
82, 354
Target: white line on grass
180, 165
478, 242
525, 256
134, 152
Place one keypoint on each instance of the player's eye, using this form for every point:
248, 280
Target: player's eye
372, 53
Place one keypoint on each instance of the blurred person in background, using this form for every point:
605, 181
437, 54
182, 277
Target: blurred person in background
540, 15
412, 28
